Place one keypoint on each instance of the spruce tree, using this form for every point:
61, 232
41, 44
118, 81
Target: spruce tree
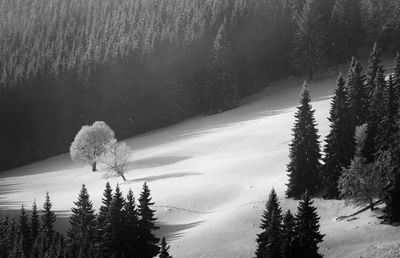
102, 217
376, 113
35, 224
220, 92
148, 242
304, 165
164, 249
48, 216
309, 54
82, 223
307, 229
289, 247
374, 62
24, 231
268, 241
387, 126
115, 228
339, 148
131, 224
357, 94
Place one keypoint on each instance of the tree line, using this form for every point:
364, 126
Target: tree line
121, 228
360, 161
140, 65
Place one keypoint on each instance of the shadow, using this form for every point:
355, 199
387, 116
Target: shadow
163, 176
156, 162
173, 232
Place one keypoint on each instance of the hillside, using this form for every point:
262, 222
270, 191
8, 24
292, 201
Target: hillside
209, 177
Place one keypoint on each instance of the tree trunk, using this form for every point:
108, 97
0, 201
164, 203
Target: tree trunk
371, 204
123, 177
94, 166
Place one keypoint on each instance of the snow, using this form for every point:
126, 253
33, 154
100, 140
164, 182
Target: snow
210, 176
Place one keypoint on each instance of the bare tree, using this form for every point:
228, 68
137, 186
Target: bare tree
116, 158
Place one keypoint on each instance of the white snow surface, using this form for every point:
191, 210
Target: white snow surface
209, 177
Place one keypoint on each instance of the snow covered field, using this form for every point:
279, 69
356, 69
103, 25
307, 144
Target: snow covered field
209, 177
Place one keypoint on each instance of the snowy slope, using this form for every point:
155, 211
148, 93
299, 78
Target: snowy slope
209, 177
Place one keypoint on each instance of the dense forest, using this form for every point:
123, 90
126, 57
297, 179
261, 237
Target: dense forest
143, 64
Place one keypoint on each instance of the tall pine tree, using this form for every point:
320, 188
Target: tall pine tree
289, 246
131, 221
304, 165
82, 224
339, 148
269, 240
148, 242
307, 229
48, 217
35, 223
374, 62
102, 217
24, 230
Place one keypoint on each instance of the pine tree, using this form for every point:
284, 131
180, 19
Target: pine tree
221, 92
102, 217
148, 241
339, 148
48, 216
24, 231
387, 127
309, 52
374, 62
115, 228
304, 165
376, 113
35, 224
357, 94
164, 249
289, 247
82, 223
307, 229
131, 224
268, 240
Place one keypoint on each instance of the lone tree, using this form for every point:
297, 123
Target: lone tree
269, 240
339, 148
307, 229
362, 182
90, 143
220, 92
304, 165
116, 158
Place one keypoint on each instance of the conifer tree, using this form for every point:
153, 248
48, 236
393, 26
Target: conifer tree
304, 165
148, 242
376, 113
339, 148
164, 249
115, 228
102, 217
288, 248
82, 223
17, 250
374, 62
35, 224
48, 216
307, 229
24, 231
357, 94
220, 92
269, 239
309, 52
387, 127
131, 224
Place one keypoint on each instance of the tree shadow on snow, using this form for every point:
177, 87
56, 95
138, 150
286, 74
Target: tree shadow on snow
173, 232
156, 162
163, 176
